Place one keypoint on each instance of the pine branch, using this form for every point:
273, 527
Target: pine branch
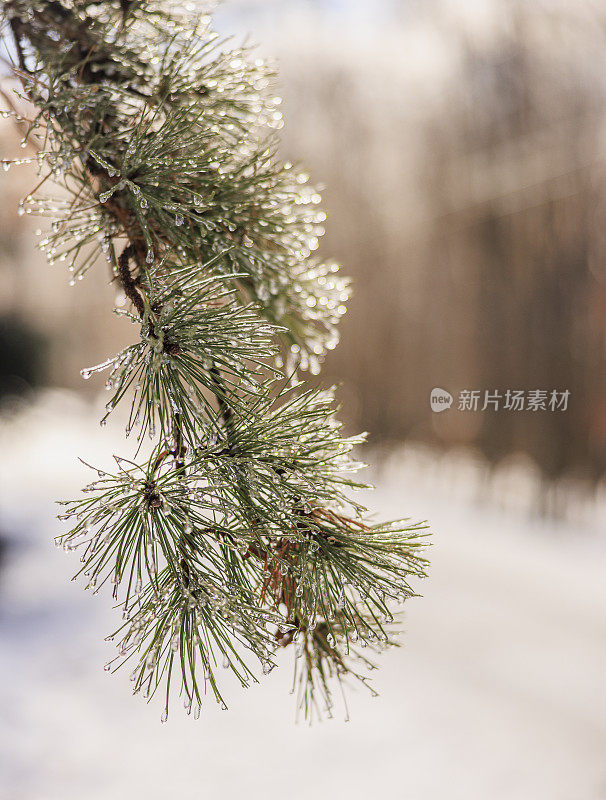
238, 534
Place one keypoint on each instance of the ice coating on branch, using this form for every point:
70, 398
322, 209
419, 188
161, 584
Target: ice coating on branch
237, 535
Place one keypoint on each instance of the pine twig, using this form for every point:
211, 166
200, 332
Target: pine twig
238, 535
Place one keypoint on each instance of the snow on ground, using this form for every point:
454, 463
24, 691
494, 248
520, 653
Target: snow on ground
497, 694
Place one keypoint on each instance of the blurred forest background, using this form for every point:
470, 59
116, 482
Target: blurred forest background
462, 149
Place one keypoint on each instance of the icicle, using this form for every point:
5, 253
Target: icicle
86, 373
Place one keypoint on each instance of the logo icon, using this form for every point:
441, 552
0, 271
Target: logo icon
440, 400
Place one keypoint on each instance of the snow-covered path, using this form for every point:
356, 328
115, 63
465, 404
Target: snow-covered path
497, 694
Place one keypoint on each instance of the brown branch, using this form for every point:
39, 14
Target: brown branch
127, 281
15, 27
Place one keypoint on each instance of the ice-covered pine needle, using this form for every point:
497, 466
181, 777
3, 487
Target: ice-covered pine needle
238, 536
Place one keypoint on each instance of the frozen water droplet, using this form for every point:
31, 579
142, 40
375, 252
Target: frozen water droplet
164, 716
150, 256
178, 220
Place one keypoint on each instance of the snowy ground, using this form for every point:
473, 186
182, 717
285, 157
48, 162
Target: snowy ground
497, 694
